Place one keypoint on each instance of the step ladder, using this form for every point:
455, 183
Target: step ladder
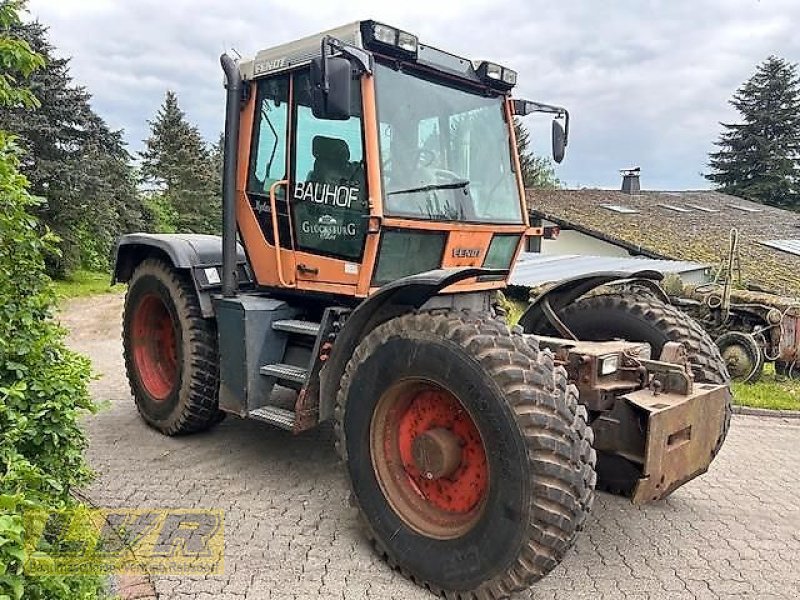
283, 374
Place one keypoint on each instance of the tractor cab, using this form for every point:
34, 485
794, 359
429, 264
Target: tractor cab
365, 156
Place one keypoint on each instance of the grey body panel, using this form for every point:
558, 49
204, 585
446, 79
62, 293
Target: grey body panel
247, 341
192, 252
299, 53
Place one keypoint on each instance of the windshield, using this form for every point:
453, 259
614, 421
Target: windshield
445, 152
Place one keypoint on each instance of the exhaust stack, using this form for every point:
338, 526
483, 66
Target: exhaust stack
233, 83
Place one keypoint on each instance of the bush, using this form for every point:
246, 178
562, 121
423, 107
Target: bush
160, 214
43, 393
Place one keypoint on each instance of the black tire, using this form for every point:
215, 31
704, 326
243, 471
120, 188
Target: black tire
644, 318
537, 443
186, 399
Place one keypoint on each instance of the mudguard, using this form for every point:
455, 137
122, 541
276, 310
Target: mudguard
558, 296
201, 255
393, 299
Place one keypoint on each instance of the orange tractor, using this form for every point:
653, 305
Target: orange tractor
373, 207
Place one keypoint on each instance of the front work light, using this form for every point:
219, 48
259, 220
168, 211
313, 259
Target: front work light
389, 39
608, 364
496, 75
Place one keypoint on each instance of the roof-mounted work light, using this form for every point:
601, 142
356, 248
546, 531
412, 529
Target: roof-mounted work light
390, 40
497, 75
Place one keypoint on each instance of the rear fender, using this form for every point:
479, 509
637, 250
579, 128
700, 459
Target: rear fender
394, 299
558, 296
199, 255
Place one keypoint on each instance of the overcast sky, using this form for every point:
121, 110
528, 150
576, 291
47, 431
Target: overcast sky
646, 81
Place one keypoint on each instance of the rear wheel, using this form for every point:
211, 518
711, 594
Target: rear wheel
467, 453
742, 355
644, 318
170, 351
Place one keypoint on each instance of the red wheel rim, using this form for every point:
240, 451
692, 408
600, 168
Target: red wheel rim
429, 458
155, 348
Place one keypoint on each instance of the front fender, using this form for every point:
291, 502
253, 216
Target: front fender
393, 299
558, 296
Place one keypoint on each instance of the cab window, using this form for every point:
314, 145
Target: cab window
328, 189
268, 155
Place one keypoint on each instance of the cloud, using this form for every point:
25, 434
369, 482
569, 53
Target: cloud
646, 81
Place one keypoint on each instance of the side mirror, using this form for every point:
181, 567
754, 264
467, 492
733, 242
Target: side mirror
331, 80
559, 141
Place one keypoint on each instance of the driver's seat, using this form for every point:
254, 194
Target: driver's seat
331, 160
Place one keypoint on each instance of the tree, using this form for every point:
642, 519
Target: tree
758, 159
72, 160
537, 171
180, 168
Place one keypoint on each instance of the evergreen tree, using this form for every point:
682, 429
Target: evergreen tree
72, 160
177, 163
759, 158
537, 171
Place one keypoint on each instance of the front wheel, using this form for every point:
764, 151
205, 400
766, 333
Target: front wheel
468, 455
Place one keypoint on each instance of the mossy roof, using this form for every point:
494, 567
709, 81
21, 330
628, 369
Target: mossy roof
696, 235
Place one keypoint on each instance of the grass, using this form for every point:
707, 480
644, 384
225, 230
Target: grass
85, 283
771, 391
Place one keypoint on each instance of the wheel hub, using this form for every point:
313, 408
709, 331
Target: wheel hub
437, 453
429, 458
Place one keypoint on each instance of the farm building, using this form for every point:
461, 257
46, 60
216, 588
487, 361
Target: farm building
684, 226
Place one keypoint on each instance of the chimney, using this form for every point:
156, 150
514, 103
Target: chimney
630, 180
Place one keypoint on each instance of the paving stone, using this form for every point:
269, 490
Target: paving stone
289, 531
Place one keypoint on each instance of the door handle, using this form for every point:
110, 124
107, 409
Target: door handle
306, 270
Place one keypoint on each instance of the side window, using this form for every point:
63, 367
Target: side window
329, 194
268, 154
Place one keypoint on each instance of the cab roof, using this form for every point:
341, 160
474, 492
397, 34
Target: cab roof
298, 53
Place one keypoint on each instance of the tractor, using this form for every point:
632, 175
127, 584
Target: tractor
373, 208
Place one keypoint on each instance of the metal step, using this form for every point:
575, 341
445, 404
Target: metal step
280, 417
297, 326
283, 372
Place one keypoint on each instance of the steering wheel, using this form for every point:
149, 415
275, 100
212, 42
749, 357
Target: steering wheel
446, 175
424, 157
464, 198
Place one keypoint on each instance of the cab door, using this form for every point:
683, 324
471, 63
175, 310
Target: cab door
305, 219
327, 191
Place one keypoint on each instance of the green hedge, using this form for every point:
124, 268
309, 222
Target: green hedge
43, 393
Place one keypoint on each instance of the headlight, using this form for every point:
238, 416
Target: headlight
407, 42
384, 34
608, 364
501, 252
